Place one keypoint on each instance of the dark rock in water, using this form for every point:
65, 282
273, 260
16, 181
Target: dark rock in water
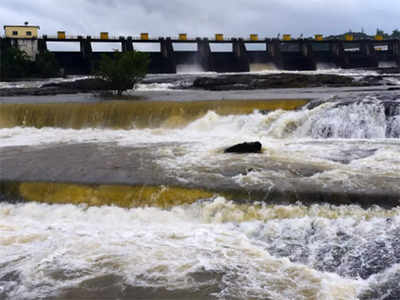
371, 80
90, 84
72, 87
393, 89
283, 80
394, 70
265, 112
254, 147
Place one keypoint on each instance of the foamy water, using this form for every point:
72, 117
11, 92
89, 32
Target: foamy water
353, 131
365, 119
216, 248
154, 87
236, 251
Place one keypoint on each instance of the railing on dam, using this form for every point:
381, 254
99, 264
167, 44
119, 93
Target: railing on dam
236, 56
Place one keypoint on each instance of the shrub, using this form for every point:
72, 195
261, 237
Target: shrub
123, 70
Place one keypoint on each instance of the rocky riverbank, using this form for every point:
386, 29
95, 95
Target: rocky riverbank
283, 80
88, 85
210, 82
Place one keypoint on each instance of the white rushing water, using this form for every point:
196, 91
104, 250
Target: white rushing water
365, 119
238, 251
341, 147
325, 135
215, 248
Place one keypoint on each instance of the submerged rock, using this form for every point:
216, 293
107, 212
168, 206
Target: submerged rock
254, 147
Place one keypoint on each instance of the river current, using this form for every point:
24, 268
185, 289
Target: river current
231, 240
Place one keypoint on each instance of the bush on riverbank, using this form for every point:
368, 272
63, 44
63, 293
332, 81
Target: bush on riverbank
123, 70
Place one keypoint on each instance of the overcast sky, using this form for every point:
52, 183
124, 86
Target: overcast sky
203, 17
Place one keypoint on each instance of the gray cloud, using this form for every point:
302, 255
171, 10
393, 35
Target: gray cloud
203, 18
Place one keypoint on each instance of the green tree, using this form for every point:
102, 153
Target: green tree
46, 65
123, 70
15, 64
396, 34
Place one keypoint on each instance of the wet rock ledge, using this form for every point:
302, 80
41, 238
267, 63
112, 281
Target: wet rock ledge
282, 80
90, 85
212, 83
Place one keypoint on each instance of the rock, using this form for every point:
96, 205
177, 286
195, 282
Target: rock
254, 147
9, 92
90, 84
394, 70
371, 80
283, 80
72, 87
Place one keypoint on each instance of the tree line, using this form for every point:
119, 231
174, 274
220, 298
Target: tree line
15, 64
395, 34
362, 35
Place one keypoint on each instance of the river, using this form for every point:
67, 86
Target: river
137, 199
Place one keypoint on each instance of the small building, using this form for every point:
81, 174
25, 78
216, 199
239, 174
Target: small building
24, 37
21, 31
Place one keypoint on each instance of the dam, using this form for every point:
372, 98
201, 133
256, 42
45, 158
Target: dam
237, 54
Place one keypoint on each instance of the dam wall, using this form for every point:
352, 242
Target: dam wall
286, 54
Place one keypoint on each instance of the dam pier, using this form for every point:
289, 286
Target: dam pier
232, 55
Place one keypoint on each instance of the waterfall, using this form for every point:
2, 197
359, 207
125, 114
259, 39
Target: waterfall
126, 115
360, 119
